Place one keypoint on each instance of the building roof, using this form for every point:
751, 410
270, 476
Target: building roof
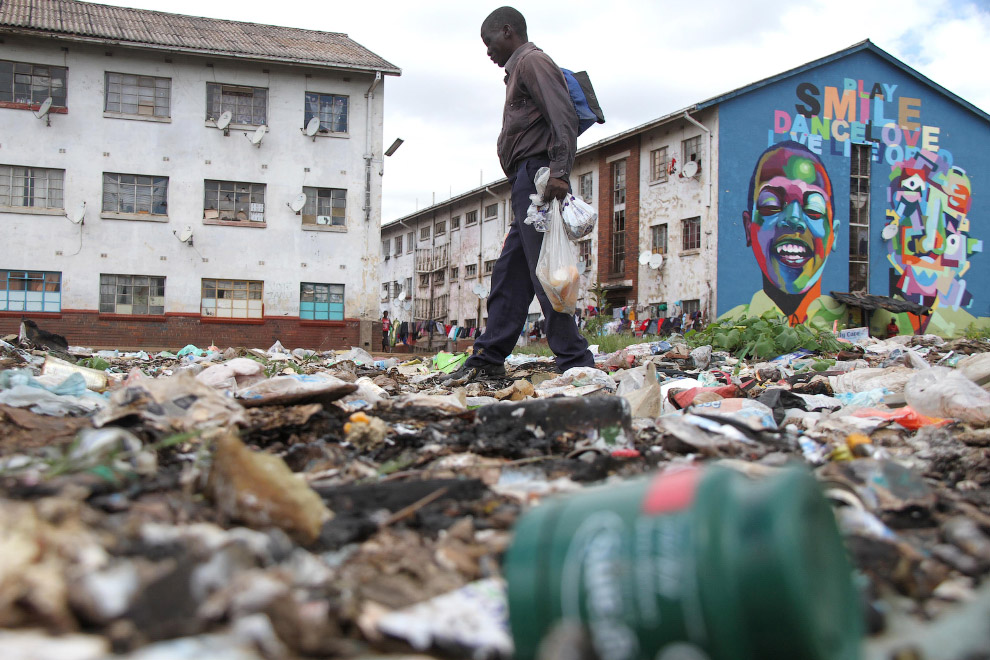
140, 28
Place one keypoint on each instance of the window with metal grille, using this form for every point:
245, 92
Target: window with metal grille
398, 245
440, 228
424, 280
691, 149
134, 193
424, 233
584, 251
619, 182
235, 299
30, 291
321, 302
489, 266
658, 239
455, 223
619, 242
247, 105
34, 187
586, 186
132, 294
234, 201
491, 211
137, 95
325, 206
330, 108
691, 234
454, 272
691, 306
658, 165
395, 288
23, 82
470, 218
859, 217
470, 270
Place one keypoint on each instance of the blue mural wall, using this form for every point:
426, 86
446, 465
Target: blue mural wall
786, 154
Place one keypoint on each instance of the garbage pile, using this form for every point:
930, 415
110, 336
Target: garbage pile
272, 503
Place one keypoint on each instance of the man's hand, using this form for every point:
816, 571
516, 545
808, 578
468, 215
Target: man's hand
556, 189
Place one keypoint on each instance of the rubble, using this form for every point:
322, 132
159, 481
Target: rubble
252, 503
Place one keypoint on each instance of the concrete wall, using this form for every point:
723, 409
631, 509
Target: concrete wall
188, 149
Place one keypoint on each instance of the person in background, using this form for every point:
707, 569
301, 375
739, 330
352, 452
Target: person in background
386, 325
892, 329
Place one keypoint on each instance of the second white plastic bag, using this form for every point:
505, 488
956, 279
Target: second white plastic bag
557, 265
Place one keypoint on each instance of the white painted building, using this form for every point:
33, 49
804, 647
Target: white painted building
133, 134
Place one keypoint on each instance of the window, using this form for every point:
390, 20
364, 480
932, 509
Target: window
234, 201
470, 270
470, 323
658, 165
584, 251
325, 207
398, 245
395, 289
247, 105
232, 299
30, 291
455, 223
691, 234
859, 217
133, 193
330, 108
454, 272
410, 243
31, 187
619, 182
438, 277
658, 239
691, 306
440, 228
132, 294
321, 302
21, 82
137, 95
385, 292
453, 322
619, 242
470, 218
691, 148
491, 211
408, 288
424, 280
424, 233
385, 247
585, 186
489, 266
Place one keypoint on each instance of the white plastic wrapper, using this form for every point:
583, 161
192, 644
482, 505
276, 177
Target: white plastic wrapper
536, 214
579, 217
557, 265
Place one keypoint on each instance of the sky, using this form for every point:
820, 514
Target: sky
645, 58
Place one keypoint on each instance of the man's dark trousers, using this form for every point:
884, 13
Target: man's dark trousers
514, 283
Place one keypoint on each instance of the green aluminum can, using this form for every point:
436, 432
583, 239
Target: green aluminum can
699, 564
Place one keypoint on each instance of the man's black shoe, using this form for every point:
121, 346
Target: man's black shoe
472, 372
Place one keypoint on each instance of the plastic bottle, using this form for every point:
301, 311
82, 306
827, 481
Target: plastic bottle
692, 563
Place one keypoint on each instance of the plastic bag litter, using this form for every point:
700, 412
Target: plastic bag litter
356, 355
867, 399
756, 415
944, 392
579, 377
579, 217
191, 349
536, 214
702, 357
557, 265
976, 367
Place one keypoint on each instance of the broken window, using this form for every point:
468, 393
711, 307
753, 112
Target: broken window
491, 211
234, 201
585, 185
132, 193
330, 108
132, 294
658, 165
30, 291
325, 206
22, 82
138, 95
35, 187
584, 251
247, 105
691, 148
658, 239
321, 302
424, 280
470, 218
438, 277
489, 266
619, 183
691, 234
236, 299
619, 241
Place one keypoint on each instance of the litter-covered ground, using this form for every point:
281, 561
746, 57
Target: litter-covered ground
252, 503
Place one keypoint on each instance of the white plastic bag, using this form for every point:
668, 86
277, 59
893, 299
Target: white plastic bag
557, 265
944, 392
536, 214
579, 217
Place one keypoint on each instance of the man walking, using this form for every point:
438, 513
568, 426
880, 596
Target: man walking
539, 129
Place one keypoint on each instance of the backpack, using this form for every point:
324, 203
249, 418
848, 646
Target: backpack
584, 99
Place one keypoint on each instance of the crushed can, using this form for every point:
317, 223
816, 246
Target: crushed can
692, 563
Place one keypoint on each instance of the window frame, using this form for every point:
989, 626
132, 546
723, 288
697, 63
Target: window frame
156, 182
28, 174
386, 247
329, 293
471, 218
455, 273
656, 231
470, 271
253, 189
424, 233
440, 228
231, 286
154, 290
31, 102
494, 214
47, 283
455, 223
319, 199
658, 165
155, 95
587, 192
410, 242
619, 241
489, 266
687, 233
698, 152
333, 116
397, 241
215, 109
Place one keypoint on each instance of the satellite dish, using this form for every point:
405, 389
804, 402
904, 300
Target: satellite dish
581, 266
186, 233
298, 202
690, 169
889, 231
78, 214
259, 135
402, 296
46, 105
384, 295
224, 120
312, 126
479, 290
407, 305
644, 258
656, 260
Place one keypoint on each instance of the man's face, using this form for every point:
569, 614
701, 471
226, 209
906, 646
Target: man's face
790, 224
496, 39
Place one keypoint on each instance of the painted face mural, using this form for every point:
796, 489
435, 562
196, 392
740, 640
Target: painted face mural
927, 230
790, 220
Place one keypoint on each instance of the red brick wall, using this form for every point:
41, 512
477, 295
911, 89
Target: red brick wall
173, 331
605, 207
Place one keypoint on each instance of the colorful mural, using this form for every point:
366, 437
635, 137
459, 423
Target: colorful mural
927, 234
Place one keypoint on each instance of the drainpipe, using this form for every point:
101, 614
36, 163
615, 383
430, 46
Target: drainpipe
708, 176
369, 96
